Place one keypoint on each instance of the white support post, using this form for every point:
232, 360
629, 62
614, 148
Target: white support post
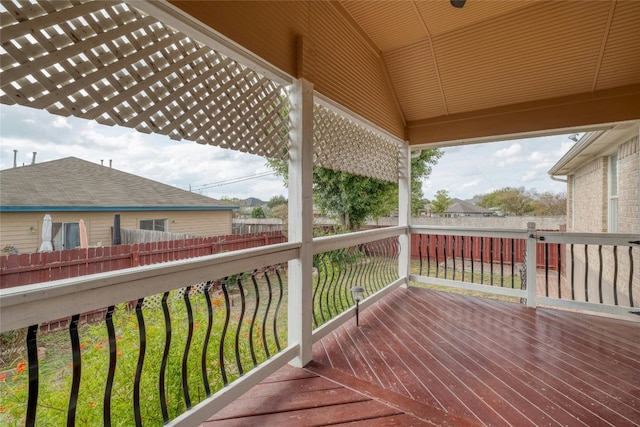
301, 220
404, 213
532, 286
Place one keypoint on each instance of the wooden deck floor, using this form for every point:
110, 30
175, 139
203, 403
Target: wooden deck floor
423, 357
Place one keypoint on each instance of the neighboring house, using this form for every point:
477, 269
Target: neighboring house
71, 189
603, 196
459, 208
247, 206
603, 181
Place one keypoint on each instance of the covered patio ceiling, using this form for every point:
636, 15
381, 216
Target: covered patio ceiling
428, 72
383, 72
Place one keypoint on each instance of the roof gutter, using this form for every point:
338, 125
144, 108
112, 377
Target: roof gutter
555, 178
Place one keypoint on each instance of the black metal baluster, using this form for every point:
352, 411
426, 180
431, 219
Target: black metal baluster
77, 369
444, 252
546, 270
316, 290
428, 255
187, 347
586, 273
266, 313
437, 257
207, 337
472, 260
600, 268
253, 318
377, 271
143, 347
165, 358
482, 260
325, 278
351, 280
615, 275
337, 263
275, 317
463, 243
513, 263
559, 273
113, 350
34, 385
420, 253
630, 276
453, 251
227, 304
491, 259
501, 262
573, 288
243, 304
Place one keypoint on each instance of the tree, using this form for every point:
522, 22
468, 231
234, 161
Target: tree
441, 202
510, 201
549, 203
353, 198
258, 212
276, 200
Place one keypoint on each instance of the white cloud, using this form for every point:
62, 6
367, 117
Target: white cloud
60, 123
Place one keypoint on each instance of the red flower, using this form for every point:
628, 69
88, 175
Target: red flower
92, 404
3, 377
21, 367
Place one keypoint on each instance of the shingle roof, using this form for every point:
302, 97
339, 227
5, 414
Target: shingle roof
72, 182
460, 206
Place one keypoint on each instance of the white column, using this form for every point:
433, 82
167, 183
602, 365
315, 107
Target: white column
404, 212
532, 286
301, 219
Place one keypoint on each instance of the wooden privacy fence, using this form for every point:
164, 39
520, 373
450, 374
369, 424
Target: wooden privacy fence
26, 269
481, 249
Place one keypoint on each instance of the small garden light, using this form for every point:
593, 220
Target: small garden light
357, 292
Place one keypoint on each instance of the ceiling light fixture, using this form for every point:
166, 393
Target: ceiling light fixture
457, 3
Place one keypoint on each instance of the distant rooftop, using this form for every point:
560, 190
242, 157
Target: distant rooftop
73, 184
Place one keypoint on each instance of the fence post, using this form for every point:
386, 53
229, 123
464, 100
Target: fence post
531, 264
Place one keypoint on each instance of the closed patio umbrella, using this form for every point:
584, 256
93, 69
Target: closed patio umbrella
46, 245
84, 240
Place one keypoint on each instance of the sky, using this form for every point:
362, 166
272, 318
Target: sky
222, 173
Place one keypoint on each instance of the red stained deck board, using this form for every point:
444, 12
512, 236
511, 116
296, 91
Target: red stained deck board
424, 357
356, 411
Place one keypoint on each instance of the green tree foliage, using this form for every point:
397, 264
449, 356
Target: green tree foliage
275, 201
441, 202
258, 212
353, 198
518, 202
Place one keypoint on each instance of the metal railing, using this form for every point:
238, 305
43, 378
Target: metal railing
179, 340
475, 259
597, 272
173, 336
591, 271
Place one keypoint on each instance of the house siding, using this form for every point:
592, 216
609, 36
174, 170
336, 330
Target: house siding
15, 227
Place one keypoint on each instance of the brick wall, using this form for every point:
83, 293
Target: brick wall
629, 187
590, 202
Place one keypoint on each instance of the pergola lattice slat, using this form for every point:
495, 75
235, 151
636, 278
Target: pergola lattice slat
110, 62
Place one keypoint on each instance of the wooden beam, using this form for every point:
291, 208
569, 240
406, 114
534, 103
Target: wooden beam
605, 106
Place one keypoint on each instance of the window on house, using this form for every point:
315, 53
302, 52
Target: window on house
154, 224
613, 194
66, 235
